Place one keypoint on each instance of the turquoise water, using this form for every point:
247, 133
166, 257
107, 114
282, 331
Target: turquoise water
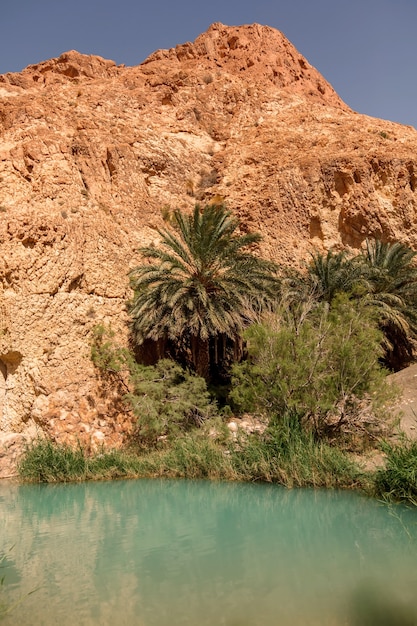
162, 553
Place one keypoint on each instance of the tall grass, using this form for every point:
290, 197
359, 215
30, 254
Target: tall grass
286, 455
191, 456
291, 456
45, 462
398, 480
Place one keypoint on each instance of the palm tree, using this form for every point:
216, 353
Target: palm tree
335, 273
393, 277
385, 277
202, 286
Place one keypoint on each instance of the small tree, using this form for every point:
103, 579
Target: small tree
321, 366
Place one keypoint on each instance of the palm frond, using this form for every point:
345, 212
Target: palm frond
202, 282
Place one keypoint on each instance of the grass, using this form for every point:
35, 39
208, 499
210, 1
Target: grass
398, 480
286, 455
292, 457
46, 462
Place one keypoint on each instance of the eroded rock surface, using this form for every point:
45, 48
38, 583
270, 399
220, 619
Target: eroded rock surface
90, 153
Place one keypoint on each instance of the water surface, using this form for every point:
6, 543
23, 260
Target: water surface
162, 553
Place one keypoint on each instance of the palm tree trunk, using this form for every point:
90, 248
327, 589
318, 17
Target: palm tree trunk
202, 359
237, 347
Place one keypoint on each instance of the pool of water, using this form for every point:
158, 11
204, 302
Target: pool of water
162, 553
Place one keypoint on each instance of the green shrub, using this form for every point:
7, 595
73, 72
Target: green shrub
285, 454
319, 364
165, 398
191, 456
46, 462
398, 480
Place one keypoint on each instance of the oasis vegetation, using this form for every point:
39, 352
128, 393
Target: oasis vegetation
218, 332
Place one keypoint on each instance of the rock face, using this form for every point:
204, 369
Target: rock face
90, 153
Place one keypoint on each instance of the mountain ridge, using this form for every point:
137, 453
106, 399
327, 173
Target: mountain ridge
90, 152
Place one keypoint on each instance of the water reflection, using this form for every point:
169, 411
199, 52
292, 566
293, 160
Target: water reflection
175, 552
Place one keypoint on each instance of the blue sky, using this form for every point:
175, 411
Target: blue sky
367, 49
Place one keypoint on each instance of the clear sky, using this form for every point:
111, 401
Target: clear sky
367, 49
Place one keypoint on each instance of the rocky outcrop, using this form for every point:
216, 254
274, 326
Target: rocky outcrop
90, 153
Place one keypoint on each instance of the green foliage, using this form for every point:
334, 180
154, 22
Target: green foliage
165, 398
285, 454
290, 455
321, 365
192, 456
106, 355
393, 294
383, 276
45, 462
398, 480
201, 285
336, 273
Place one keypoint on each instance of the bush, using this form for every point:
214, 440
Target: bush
165, 398
319, 364
192, 456
46, 462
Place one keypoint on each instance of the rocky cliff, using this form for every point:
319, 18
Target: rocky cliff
90, 153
